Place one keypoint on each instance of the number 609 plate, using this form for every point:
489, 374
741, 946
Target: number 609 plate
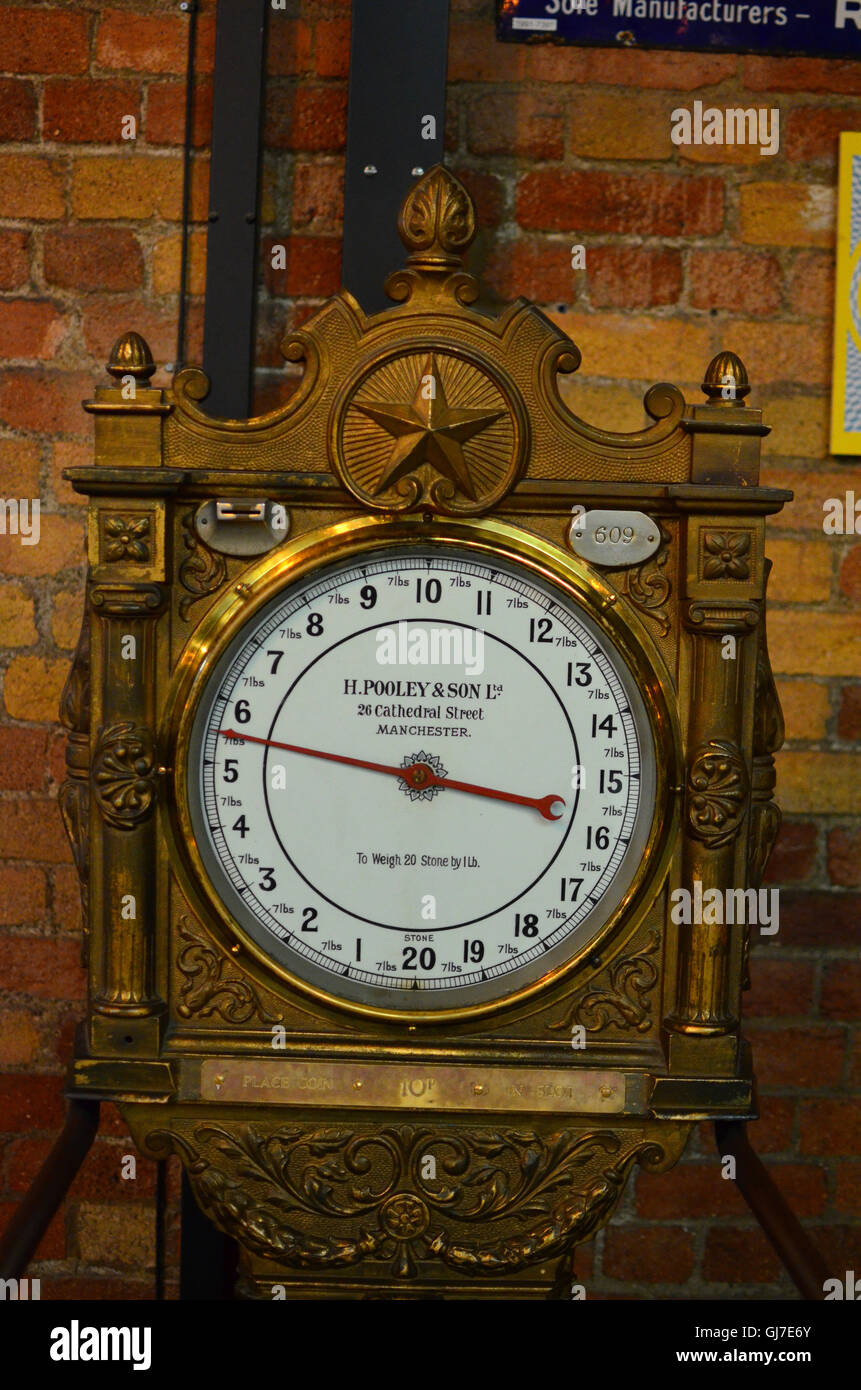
613, 538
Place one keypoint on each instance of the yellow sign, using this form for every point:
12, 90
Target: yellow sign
846, 388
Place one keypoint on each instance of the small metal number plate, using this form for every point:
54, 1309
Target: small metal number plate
613, 538
241, 525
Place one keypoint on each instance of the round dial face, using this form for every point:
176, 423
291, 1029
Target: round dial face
421, 779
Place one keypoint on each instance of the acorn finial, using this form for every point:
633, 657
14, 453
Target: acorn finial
437, 221
131, 356
726, 381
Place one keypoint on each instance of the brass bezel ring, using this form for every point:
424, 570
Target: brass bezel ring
292, 561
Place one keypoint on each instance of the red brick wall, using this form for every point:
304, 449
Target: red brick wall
688, 250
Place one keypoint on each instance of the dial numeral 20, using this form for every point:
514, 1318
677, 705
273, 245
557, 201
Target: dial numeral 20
426, 957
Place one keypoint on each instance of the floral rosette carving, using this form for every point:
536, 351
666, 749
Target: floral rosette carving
123, 774
718, 792
125, 538
726, 555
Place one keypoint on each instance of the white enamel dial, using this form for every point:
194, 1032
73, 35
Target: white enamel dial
421, 779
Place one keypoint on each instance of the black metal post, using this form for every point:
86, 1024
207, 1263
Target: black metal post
208, 1258
234, 181
34, 1213
802, 1260
395, 130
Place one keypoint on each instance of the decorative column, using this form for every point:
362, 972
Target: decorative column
127, 488
724, 591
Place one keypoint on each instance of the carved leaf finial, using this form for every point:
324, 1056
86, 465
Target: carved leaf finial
437, 221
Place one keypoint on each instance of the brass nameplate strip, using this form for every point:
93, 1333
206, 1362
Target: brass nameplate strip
418, 1087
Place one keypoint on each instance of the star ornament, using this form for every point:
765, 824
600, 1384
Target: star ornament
428, 430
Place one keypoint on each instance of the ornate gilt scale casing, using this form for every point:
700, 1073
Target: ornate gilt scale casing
313, 1156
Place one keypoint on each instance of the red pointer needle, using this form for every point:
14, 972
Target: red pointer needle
417, 775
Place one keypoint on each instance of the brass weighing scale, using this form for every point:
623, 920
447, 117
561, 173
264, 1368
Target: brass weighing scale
398, 715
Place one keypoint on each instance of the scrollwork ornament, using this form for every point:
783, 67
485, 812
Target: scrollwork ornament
648, 587
260, 1187
126, 599
717, 793
721, 617
202, 571
620, 998
123, 774
210, 986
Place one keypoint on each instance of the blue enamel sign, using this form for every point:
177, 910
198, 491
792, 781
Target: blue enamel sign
812, 28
